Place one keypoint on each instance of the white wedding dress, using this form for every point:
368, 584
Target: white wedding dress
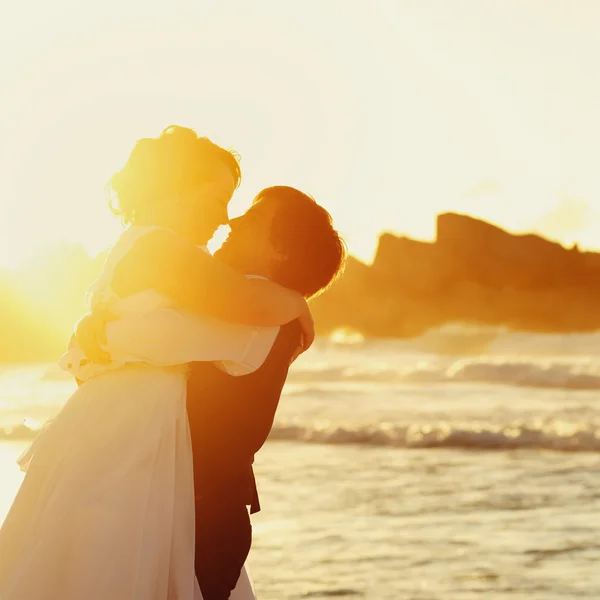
106, 509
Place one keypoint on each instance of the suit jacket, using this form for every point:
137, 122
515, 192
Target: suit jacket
230, 419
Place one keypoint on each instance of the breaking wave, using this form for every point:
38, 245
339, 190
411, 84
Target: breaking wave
571, 375
555, 435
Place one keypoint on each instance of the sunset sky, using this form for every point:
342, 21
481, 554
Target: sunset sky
388, 112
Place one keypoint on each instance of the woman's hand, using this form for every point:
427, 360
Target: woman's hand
308, 329
308, 333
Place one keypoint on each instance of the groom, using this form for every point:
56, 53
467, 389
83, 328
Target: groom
286, 237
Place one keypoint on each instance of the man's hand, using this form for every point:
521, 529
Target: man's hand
90, 334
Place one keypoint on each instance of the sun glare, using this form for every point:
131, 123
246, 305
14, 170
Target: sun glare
418, 119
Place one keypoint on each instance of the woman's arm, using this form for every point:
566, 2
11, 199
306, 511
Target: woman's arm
169, 264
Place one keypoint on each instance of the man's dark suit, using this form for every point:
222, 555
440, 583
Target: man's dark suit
230, 419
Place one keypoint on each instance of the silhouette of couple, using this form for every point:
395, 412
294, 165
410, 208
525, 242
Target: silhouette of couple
139, 487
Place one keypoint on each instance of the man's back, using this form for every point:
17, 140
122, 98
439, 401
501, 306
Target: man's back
231, 417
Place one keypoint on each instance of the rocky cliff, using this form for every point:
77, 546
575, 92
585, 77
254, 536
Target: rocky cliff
473, 272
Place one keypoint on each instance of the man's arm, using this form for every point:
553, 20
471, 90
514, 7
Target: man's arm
169, 337
90, 335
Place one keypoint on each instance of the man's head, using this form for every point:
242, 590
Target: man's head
177, 180
287, 237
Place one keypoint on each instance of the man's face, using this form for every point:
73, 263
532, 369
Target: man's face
207, 205
249, 246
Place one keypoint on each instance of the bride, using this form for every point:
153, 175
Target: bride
106, 508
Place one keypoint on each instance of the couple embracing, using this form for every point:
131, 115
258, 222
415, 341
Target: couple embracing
140, 488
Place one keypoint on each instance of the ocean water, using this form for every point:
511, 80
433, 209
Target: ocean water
462, 463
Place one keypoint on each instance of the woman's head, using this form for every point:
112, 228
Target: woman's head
287, 237
177, 180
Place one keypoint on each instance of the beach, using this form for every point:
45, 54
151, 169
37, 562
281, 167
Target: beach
394, 472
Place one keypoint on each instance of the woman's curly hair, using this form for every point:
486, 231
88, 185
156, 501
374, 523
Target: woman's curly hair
159, 169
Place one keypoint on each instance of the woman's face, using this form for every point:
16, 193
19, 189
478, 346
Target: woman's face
204, 207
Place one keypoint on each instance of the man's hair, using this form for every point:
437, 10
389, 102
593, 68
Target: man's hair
303, 232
